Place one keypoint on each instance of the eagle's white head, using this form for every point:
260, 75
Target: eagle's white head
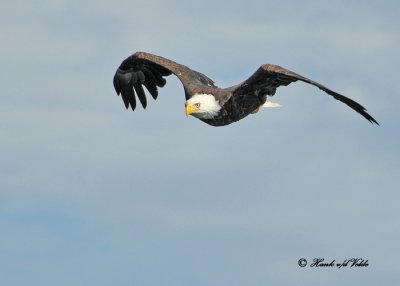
203, 106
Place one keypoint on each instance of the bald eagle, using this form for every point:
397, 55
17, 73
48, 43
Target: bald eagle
204, 100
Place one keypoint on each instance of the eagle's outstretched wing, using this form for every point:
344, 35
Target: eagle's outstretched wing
269, 77
149, 70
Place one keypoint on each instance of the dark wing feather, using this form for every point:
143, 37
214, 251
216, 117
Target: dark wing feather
150, 82
269, 77
143, 69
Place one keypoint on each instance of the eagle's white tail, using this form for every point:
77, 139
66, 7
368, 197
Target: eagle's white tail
271, 104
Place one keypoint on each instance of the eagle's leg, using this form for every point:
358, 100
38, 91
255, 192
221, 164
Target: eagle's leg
255, 110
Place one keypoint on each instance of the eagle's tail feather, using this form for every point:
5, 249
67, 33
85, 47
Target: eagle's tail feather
271, 104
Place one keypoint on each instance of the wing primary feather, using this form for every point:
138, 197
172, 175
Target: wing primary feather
150, 83
132, 99
116, 84
128, 95
151, 88
123, 79
159, 80
352, 104
125, 98
141, 95
126, 102
348, 101
292, 77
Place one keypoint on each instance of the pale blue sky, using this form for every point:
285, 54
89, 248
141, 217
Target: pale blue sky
92, 194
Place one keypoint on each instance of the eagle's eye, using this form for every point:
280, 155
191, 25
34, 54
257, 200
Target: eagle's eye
197, 105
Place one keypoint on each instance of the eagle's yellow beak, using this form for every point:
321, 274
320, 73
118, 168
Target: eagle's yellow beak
190, 108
